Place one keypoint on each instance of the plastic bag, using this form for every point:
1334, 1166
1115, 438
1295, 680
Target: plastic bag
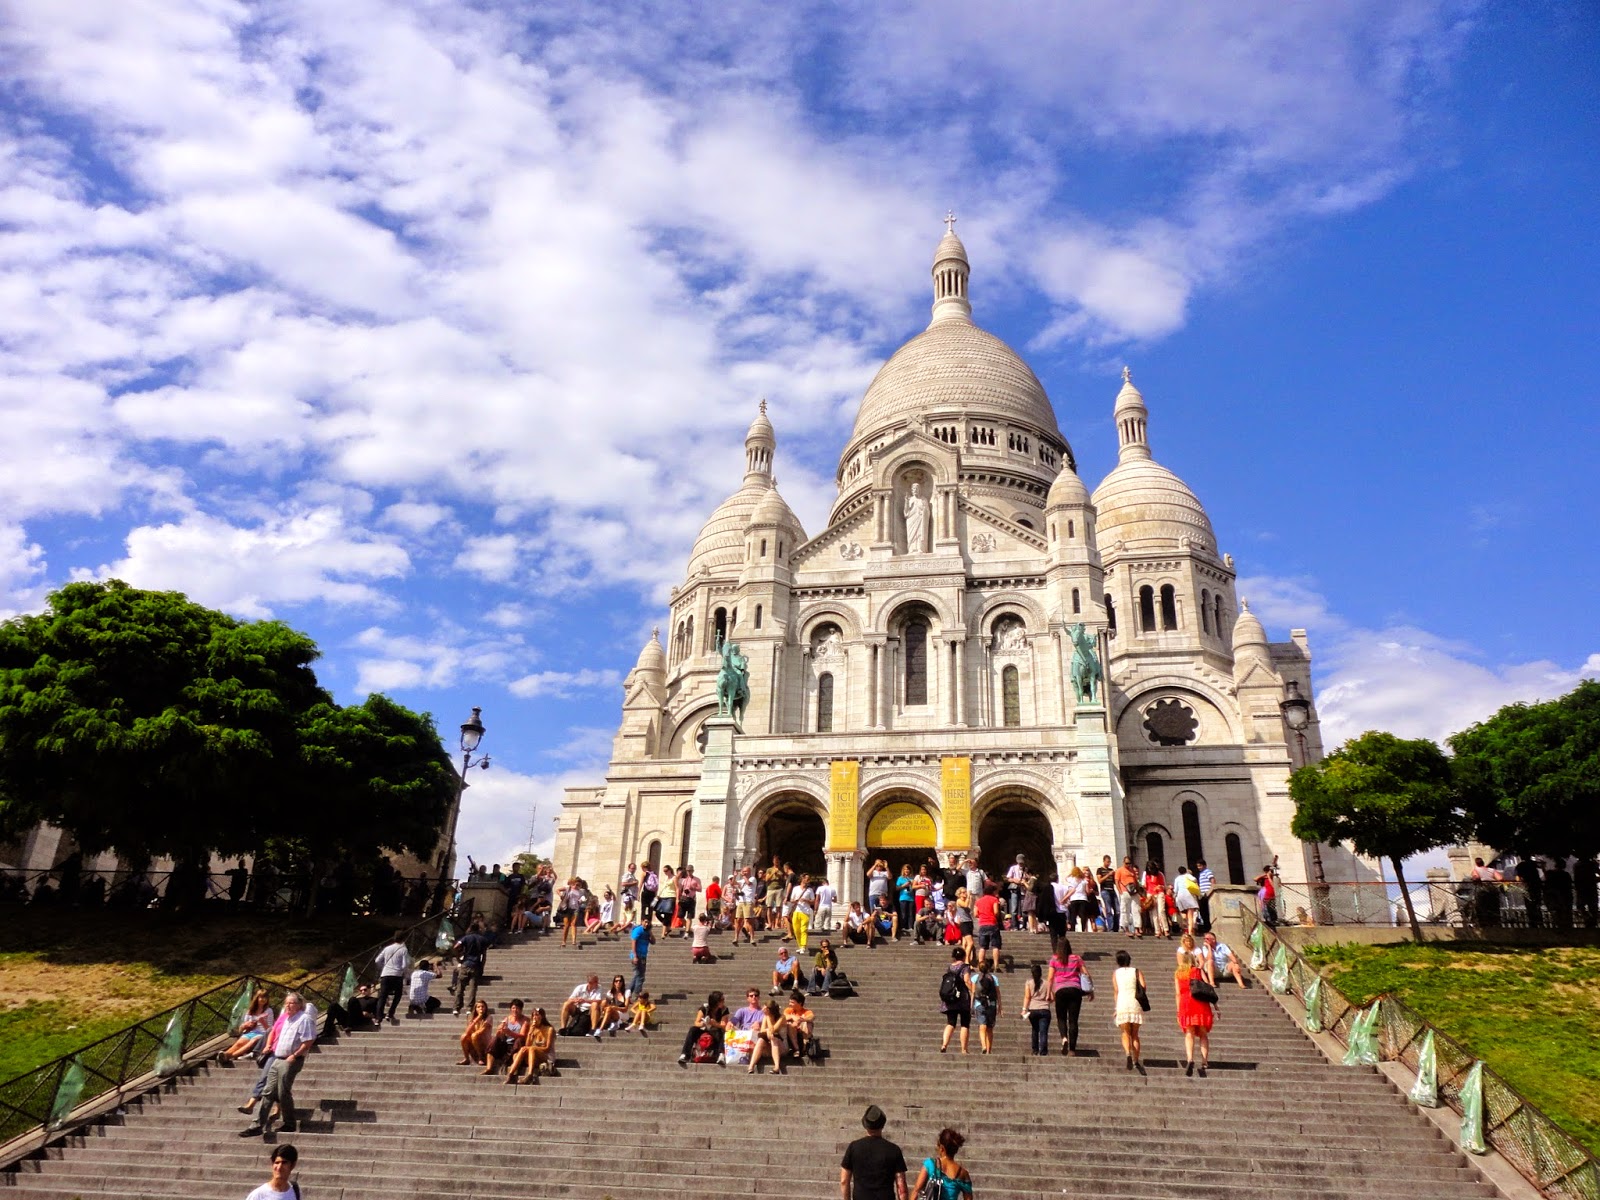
241, 1008
1472, 1111
347, 989
169, 1056
1280, 970
1363, 1048
68, 1092
446, 937
1426, 1089
1258, 949
1314, 1005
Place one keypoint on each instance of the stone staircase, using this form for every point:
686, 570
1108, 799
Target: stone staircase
386, 1114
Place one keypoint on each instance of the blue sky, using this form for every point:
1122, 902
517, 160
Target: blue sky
434, 329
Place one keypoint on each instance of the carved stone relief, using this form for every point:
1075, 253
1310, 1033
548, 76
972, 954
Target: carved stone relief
851, 550
982, 543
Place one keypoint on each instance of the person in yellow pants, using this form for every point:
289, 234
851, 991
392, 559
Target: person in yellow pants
804, 897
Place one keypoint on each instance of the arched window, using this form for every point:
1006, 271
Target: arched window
1072, 530
733, 621
1077, 601
1217, 603
1011, 697
1111, 616
719, 627
763, 547
688, 825
1153, 851
688, 641
758, 616
1191, 832
653, 855
1205, 611
1169, 607
1147, 609
915, 638
1235, 858
825, 702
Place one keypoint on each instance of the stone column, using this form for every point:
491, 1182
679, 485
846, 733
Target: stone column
844, 872
961, 682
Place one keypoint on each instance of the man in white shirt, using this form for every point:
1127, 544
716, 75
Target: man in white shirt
975, 879
744, 913
826, 896
296, 1034
1014, 876
586, 995
280, 1186
1223, 960
393, 961
1208, 884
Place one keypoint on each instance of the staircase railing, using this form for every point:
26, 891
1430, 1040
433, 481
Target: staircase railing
99, 1077
1541, 1151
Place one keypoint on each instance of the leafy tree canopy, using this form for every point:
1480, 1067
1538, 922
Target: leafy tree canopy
1388, 797
1530, 774
144, 722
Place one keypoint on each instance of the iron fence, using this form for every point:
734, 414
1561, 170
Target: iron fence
263, 890
1461, 904
1545, 1154
101, 1075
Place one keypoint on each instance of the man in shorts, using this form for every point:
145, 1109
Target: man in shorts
744, 913
688, 893
1224, 961
987, 910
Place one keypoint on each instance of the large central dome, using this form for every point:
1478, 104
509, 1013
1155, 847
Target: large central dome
955, 366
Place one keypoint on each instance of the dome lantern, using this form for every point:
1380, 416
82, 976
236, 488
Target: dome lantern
951, 270
759, 443
1133, 421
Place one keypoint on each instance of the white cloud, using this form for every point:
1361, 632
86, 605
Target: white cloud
414, 516
1401, 679
560, 684
22, 567
455, 654
295, 558
501, 806
493, 558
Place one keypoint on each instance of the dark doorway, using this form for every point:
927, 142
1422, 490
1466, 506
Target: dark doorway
796, 836
1011, 828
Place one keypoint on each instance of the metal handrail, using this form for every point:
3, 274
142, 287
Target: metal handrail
125, 1062
1544, 1153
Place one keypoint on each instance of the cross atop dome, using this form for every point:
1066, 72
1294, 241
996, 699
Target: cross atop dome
1127, 376
950, 220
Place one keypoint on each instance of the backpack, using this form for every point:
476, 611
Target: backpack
578, 1024
702, 1049
840, 987
953, 991
988, 994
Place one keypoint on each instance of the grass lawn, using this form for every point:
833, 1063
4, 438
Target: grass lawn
1531, 1014
70, 978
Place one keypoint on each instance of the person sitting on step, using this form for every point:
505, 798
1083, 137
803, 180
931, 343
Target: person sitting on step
536, 1054
823, 965
858, 926
798, 1023
785, 972
700, 941
255, 1026
478, 1036
612, 1010
586, 996
643, 1009
710, 1022
769, 1039
508, 1038
1224, 962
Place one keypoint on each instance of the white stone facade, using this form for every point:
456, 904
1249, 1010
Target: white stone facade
910, 665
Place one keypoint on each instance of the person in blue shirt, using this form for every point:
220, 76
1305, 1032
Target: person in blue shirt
639, 956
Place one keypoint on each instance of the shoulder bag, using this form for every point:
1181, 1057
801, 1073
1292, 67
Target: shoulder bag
1201, 991
1140, 994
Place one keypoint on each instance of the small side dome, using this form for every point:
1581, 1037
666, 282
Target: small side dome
719, 550
1248, 630
774, 512
652, 659
1068, 491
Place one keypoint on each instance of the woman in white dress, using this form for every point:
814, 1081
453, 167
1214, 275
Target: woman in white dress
1125, 983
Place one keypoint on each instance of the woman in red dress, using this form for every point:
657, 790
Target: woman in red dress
1194, 1017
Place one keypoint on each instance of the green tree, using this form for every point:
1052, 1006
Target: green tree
1530, 774
1388, 797
142, 721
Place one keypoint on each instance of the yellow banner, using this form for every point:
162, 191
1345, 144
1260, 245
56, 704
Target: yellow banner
955, 777
843, 802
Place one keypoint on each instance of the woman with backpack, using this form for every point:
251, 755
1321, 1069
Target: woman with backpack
955, 1000
986, 1006
704, 1040
1069, 984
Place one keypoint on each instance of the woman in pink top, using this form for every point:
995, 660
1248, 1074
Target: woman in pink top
1069, 985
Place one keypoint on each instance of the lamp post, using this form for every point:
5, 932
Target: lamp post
1297, 715
471, 734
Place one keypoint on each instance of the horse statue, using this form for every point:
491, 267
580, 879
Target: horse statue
733, 682
1086, 675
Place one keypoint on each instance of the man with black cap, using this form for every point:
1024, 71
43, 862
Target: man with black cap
873, 1167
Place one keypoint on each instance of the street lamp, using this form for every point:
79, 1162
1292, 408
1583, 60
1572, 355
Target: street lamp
471, 734
1297, 715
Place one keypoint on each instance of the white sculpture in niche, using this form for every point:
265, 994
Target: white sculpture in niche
916, 515
982, 543
1009, 636
827, 646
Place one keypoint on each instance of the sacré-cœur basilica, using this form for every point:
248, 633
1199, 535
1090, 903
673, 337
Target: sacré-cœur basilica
976, 653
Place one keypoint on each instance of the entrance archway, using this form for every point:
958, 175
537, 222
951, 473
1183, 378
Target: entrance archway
795, 833
902, 833
1015, 827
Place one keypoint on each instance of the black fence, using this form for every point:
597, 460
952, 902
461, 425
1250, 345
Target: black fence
262, 890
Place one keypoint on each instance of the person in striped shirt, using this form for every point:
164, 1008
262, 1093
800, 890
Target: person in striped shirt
1208, 883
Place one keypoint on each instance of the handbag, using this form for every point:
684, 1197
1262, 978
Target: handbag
1087, 985
1140, 994
933, 1189
1202, 992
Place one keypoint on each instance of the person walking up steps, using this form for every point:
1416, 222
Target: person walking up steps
280, 1187
950, 1178
393, 961
873, 1168
955, 1000
1126, 982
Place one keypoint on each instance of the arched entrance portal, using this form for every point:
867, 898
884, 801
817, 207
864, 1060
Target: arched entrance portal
1015, 827
794, 832
901, 833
